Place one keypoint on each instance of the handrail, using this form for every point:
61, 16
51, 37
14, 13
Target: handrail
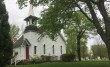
16, 60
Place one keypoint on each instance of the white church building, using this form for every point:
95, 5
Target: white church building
32, 44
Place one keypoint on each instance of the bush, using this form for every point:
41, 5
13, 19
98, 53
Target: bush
46, 58
23, 62
67, 57
36, 60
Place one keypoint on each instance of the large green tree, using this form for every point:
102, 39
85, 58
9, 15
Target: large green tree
89, 8
76, 33
5, 40
99, 50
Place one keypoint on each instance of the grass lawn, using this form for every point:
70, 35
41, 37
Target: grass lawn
70, 64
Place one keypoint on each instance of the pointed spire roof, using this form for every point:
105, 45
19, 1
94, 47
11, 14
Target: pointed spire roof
31, 12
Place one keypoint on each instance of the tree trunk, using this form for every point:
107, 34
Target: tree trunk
79, 36
105, 35
107, 42
108, 50
78, 48
106, 19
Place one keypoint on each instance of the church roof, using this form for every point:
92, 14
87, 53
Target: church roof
19, 42
62, 37
31, 14
27, 43
22, 41
31, 17
31, 11
32, 28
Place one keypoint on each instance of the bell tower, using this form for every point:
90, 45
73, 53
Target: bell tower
31, 19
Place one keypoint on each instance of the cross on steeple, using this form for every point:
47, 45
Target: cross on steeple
31, 19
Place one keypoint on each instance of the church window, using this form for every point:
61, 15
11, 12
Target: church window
35, 49
53, 48
44, 48
20, 51
61, 49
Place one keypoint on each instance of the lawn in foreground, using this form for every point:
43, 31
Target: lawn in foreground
70, 64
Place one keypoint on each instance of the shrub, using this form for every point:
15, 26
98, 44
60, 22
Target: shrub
36, 60
67, 57
23, 62
46, 58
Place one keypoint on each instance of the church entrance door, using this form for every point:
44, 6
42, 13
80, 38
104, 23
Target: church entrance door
27, 52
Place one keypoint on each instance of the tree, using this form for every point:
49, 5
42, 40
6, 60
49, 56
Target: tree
99, 50
89, 8
14, 30
5, 40
71, 45
84, 51
76, 32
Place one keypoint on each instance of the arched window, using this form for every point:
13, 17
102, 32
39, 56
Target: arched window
61, 49
53, 48
44, 48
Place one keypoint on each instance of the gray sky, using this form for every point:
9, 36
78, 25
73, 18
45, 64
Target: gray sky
17, 16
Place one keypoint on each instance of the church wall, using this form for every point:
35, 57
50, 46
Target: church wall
21, 52
33, 39
49, 43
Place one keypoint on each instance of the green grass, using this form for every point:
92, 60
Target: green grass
70, 64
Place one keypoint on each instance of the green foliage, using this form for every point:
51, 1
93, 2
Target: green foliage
84, 51
14, 30
57, 16
23, 62
99, 51
5, 40
36, 60
22, 3
46, 58
68, 57
79, 27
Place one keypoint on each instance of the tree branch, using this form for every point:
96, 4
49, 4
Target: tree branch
94, 2
81, 33
103, 11
83, 12
96, 21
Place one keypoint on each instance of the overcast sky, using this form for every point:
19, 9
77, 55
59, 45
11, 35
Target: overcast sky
17, 16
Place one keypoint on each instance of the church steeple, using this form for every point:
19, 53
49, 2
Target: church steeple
31, 19
31, 12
